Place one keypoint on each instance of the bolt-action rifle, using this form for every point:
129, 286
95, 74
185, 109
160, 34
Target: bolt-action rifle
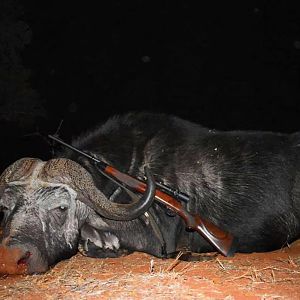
222, 241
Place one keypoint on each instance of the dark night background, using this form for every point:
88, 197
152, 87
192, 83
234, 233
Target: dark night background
69, 66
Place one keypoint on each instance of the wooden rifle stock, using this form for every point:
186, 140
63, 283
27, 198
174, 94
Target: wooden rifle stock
221, 240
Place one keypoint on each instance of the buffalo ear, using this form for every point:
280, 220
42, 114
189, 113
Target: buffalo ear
88, 235
101, 244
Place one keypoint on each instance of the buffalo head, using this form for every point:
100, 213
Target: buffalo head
44, 205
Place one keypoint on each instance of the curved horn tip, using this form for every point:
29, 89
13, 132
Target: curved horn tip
123, 212
146, 200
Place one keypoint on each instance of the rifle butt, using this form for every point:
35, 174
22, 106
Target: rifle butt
223, 241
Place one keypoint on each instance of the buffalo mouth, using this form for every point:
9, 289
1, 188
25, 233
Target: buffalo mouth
9, 261
15, 260
24, 259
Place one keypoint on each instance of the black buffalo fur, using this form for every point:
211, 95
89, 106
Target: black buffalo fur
246, 182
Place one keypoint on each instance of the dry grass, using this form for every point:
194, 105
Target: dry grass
266, 275
74, 282
140, 276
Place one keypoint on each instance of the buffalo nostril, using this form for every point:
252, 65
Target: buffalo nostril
23, 260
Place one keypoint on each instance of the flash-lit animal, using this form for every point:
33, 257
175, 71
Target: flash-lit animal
247, 183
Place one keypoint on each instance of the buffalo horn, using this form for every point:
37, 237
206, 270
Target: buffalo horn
74, 175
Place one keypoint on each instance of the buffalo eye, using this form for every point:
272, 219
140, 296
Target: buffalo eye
60, 209
63, 208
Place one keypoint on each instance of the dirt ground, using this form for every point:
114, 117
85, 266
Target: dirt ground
274, 275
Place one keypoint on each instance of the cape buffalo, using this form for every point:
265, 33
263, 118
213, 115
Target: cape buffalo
245, 182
